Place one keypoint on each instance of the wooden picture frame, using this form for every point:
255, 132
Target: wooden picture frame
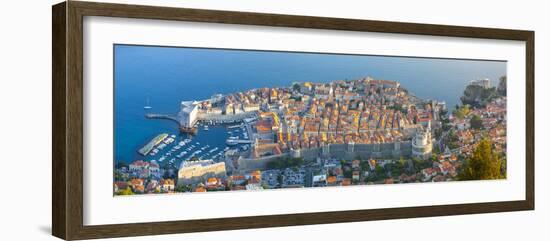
67, 124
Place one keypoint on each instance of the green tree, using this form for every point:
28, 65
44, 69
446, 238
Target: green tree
296, 87
380, 172
402, 162
280, 179
127, 191
285, 162
476, 122
462, 112
478, 96
483, 164
365, 165
184, 188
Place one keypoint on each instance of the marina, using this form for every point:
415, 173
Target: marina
151, 144
211, 141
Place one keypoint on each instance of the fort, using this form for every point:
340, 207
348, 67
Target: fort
189, 115
196, 171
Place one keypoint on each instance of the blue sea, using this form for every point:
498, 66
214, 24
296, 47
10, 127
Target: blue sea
165, 76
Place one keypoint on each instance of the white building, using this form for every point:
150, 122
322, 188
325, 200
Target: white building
485, 83
188, 113
251, 107
422, 143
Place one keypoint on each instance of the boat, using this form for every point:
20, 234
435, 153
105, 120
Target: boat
206, 128
147, 106
231, 143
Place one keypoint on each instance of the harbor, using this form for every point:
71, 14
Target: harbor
210, 141
189, 117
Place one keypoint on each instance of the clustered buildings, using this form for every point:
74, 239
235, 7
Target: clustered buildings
309, 115
493, 126
314, 115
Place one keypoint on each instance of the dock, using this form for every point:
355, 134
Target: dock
235, 142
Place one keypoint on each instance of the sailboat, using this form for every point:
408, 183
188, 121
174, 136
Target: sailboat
147, 106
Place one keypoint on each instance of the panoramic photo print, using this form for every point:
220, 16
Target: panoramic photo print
204, 120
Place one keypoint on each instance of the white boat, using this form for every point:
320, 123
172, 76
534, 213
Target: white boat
206, 128
147, 106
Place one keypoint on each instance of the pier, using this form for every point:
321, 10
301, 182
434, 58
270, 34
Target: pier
182, 125
235, 126
235, 142
161, 116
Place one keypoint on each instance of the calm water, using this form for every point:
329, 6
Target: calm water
169, 75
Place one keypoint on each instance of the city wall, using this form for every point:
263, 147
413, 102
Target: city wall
250, 164
225, 118
338, 151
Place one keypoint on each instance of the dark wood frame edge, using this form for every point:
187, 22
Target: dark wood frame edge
67, 121
59, 193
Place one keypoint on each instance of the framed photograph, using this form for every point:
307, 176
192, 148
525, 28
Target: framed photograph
170, 120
